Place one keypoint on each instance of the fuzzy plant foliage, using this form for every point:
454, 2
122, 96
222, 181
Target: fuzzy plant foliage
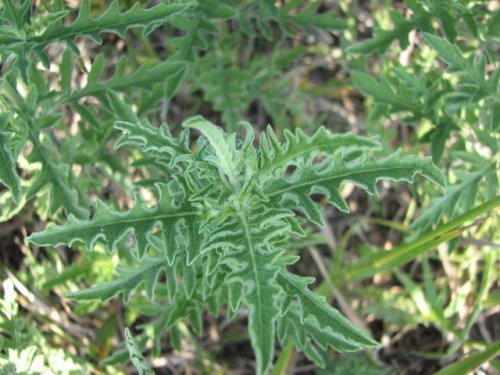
451, 92
33, 99
221, 228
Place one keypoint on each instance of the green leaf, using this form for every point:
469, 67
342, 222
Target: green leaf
450, 53
300, 149
112, 20
438, 141
8, 174
17, 15
448, 23
328, 177
384, 93
458, 198
322, 316
136, 356
384, 38
65, 70
322, 20
111, 226
56, 176
284, 359
126, 281
227, 87
250, 251
474, 72
145, 78
70, 273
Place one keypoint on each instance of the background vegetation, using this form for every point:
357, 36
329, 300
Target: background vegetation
415, 267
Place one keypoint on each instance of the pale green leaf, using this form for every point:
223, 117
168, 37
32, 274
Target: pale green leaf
224, 229
323, 316
8, 174
301, 149
225, 148
125, 282
249, 250
111, 226
328, 177
156, 142
136, 356
112, 20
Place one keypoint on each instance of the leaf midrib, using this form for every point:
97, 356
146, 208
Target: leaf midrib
98, 26
251, 251
318, 180
126, 222
149, 218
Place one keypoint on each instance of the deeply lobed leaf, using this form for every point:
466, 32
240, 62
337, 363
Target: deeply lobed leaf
329, 176
158, 143
250, 250
126, 281
301, 149
111, 226
112, 20
321, 315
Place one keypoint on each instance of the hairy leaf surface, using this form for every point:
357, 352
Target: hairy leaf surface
322, 315
111, 226
302, 149
250, 251
126, 281
328, 177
